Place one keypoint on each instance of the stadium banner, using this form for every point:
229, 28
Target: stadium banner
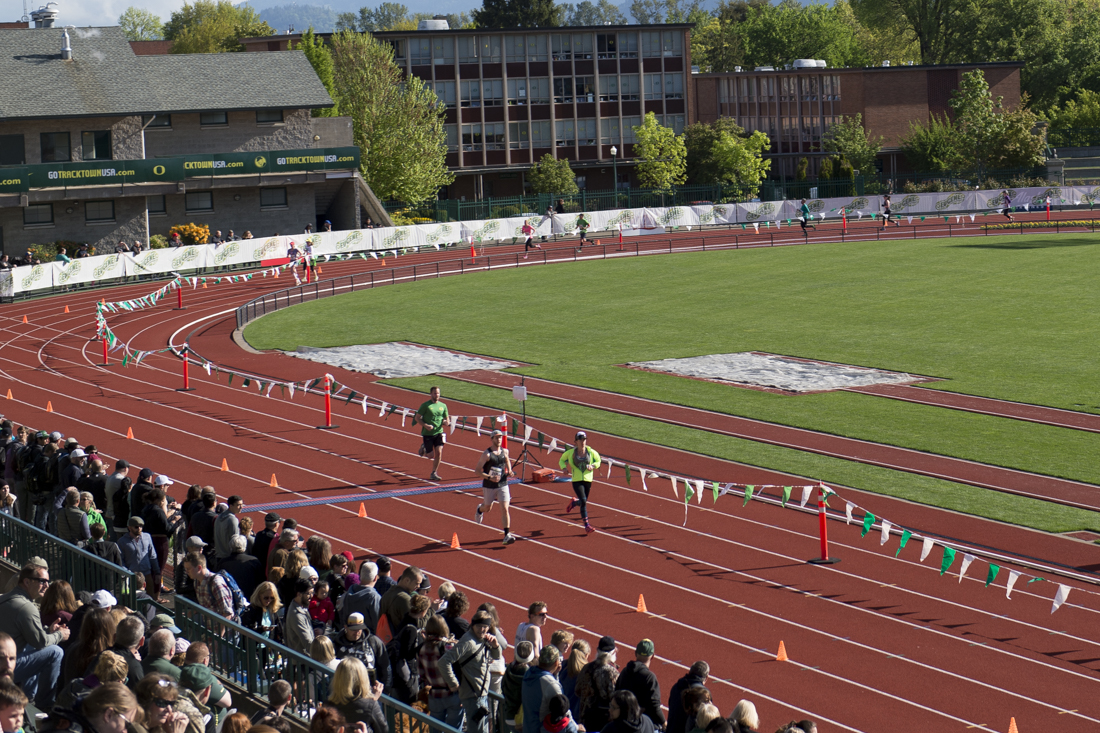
394, 241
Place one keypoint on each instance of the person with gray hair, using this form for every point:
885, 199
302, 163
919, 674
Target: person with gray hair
161, 648
363, 598
288, 540
540, 685
72, 524
242, 567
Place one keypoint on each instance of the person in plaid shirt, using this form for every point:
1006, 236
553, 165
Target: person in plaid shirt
443, 704
210, 589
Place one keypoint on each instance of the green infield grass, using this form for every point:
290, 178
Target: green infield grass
1011, 317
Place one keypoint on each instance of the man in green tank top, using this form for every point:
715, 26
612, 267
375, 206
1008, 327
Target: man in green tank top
434, 418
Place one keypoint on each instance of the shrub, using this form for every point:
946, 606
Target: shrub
192, 233
158, 241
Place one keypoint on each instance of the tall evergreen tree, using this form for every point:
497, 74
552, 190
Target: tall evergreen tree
321, 60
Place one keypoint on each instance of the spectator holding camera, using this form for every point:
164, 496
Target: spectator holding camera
470, 658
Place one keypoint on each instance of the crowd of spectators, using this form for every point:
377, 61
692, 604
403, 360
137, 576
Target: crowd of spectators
80, 649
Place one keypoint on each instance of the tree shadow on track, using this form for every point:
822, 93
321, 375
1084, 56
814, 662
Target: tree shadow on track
1029, 243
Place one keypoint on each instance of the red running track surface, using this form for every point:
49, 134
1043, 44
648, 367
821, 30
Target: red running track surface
875, 642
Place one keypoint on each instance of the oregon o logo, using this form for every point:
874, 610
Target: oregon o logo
261, 161
158, 170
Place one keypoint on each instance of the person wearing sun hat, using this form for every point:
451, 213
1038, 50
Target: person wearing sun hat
640, 680
583, 462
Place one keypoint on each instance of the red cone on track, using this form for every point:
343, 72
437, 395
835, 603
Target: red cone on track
225, 465
9, 394
781, 655
1012, 726
66, 309
49, 406
274, 484
454, 542
129, 433
25, 319
362, 510
641, 604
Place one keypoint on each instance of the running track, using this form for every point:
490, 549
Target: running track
875, 641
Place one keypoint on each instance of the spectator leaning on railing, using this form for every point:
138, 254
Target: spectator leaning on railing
39, 660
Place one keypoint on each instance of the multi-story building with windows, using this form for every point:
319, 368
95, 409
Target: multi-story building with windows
515, 95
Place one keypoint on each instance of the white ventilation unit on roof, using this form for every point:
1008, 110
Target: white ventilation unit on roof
438, 23
805, 64
765, 68
45, 16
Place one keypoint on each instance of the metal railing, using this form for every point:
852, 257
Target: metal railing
21, 541
253, 662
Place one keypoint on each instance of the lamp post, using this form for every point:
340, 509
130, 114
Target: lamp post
615, 173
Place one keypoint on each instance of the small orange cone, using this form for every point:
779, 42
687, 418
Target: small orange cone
641, 604
318, 270
274, 484
66, 309
1012, 726
129, 433
383, 262
9, 394
204, 286
276, 273
597, 243
25, 319
454, 542
781, 656
225, 465
362, 510
49, 406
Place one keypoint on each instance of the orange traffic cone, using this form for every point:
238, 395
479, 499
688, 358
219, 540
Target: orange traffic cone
274, 484
781, 655
641, 604
9, 394
204, 286
318, 270
49, 406
25, 319
66, 309
1012, 726
362, 510
129, 433
225, 465
383, 262
454, 542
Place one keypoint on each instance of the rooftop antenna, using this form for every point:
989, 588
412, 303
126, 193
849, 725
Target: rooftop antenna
26, 17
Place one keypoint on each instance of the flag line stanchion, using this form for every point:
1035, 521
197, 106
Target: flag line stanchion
824, 531
186, 377
328, 405
105, 361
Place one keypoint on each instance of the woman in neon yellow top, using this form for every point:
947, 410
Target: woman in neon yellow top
583, 461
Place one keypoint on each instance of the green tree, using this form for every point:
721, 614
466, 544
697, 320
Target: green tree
346, 22
397, 121
943, 29
552, 176
206, 26
932, 147
740, 160
802, 169
662, 156
646, 12
519, 13
593, 13
1084, 111
989, 136
851, 141
386, 17
321, 60
141, 25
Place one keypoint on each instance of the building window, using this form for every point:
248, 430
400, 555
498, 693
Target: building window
199, 201
676, 122
674, 86
561, 46
452, 137
490, 49
582, 45
212, 119
99, 211
538, 89
494, 136
581, 181
38, 214
607, 46
651, 43
629, 87
471, 93
493, 93
536, 48
629, 123
517, 91
565, 133
585, 88
156, 205
471, 138
653, 88
55, 148
95, 145
467, 49
609, 131
540, 135
785, 89
609, 89
398, 45
586, 132
672, 43
628, 45
515, 48
273, 198
563, 90
12, 150
445, 90
767, 88
420, 51
443, 50
155, 121
518, 136
268, 116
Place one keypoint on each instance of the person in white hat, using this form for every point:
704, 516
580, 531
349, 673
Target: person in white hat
583, 461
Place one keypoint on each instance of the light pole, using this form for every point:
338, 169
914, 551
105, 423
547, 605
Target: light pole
615, 173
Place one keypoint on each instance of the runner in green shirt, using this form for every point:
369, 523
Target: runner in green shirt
583, 225
433, 416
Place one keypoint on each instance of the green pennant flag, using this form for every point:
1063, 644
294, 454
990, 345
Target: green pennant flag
688, 493
627, 466
336, 386
868, 520
125, 358
350, 397
283, 388
748, 495
1034, 580
945, 220
515, 427
786, 495
715, 490
230, 379
742, 227
246, 382
464, 422
393, 409
313, 384
993, 570
260, 389
948, 558
905, 535
922, 218
542, 439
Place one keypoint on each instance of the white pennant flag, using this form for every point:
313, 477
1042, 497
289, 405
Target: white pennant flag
364, 404
207, 367
756, 226
967, 559
957, 218
1013, 576
725, 489
859, 215
527, 434
674, 491
929, 543
454, 424
553, 444
1060, 597
848, 507
479, 421
699, 489
644, 487
382, 409
1027, 207
972, 218
610, 463
503, 421
404, 414
269, 388
291, 385
806, 491
910, 219
885, 532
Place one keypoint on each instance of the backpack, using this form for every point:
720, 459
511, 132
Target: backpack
239, 601
120, 502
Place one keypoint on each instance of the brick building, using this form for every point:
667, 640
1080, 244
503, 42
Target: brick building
795, 106
514, 95
98, 144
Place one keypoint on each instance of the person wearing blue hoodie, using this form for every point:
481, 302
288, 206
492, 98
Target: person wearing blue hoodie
540, 685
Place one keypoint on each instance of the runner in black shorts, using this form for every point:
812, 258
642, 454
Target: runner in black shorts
886, 213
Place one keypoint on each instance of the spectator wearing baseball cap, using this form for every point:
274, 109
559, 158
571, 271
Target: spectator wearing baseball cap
266, 536
139, 491
637, 678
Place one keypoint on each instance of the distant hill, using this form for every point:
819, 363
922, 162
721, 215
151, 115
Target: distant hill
299, 17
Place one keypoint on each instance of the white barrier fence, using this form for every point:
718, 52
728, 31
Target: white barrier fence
633, 222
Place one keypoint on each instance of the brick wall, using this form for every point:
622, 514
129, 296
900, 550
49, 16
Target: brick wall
890, 101
129, 225
242, 214
242, 134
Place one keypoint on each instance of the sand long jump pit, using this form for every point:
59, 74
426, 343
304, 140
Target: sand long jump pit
398, 359
775, 373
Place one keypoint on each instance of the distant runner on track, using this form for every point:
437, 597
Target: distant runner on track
583, 461
433, 416
495, 466
1008, 205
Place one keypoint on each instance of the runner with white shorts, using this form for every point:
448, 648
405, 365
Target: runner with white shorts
495, 466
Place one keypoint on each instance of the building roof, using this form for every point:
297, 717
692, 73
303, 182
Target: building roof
106, 78
484, 31
861, 69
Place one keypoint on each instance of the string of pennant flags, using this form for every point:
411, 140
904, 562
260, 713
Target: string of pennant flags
693, 488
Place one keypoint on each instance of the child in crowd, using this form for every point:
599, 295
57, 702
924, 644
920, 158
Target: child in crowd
12, 702
321, 609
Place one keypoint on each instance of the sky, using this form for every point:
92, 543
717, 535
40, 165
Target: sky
89, 12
